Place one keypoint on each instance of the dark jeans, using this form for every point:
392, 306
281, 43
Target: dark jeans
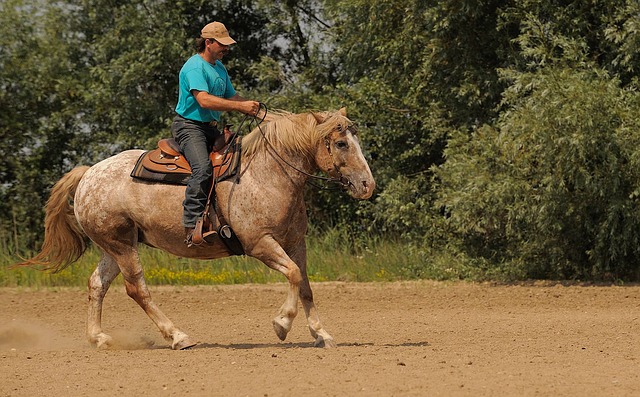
195, 140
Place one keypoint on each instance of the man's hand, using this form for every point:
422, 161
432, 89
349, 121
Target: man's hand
249, 107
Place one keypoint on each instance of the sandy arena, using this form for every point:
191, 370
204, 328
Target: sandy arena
395, 339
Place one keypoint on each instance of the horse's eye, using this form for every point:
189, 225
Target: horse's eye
342, 145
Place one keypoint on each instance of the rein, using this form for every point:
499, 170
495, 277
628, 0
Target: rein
339, 180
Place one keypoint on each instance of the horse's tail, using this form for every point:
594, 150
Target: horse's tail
64, 240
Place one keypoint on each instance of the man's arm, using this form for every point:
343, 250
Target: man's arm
235, 103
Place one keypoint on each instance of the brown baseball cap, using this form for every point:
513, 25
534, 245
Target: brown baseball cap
217, 31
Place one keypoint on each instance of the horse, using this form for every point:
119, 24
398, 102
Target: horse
265, 207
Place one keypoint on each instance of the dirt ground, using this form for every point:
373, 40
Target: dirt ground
394, 339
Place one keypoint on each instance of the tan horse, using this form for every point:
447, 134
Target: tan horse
266, 209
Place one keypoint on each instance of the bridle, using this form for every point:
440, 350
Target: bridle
344, 182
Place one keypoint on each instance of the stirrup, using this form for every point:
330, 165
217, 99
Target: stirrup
205, 238
198, 237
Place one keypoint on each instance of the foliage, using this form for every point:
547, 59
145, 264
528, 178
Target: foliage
502, 134
550, 191
38, 116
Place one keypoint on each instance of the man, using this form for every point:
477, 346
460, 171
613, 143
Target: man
205, 91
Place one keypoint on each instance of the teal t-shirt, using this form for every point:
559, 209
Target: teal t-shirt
198, 74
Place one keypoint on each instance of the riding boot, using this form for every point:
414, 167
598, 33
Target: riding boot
189, 236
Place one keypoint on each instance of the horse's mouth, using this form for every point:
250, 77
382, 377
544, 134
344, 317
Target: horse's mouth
362, 190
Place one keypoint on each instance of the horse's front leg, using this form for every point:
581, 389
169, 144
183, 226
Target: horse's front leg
321, 336
294, 268
283, 322
271, 254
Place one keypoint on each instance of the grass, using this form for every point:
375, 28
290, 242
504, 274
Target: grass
332, 257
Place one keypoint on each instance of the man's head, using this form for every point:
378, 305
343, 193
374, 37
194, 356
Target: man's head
218, 32
214, 41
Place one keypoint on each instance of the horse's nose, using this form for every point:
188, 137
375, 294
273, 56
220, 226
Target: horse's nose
369, 186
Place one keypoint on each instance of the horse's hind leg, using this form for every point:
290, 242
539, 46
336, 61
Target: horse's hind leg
120, 242
106, 271
137, 289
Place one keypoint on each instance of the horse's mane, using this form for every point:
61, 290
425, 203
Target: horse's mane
292, 132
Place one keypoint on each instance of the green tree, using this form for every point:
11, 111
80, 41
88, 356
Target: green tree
137, 53
40, 78
413, 71
83, 79
549, 191
447, 96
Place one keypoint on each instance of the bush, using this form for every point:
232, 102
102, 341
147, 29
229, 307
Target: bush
551, 190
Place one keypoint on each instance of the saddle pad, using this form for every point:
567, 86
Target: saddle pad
142, 173
153, 166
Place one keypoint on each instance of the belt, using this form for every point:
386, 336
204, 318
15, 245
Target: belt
212, 123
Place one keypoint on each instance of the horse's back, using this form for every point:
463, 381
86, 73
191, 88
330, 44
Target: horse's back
106, 182
114, 167
111, 205
108, 196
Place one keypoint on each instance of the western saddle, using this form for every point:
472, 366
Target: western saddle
166, 164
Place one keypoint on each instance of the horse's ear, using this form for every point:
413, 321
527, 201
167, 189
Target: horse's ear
320, 118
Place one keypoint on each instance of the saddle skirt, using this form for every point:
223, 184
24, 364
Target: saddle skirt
166, 164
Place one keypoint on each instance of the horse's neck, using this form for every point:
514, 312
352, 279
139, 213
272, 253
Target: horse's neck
279, 168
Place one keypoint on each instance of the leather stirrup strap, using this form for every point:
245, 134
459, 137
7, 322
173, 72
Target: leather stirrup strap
204, 230
196, 238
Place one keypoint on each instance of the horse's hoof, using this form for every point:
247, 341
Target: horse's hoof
326, 343
181, 341
280, 331
102, 341
183, 344
186, 345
